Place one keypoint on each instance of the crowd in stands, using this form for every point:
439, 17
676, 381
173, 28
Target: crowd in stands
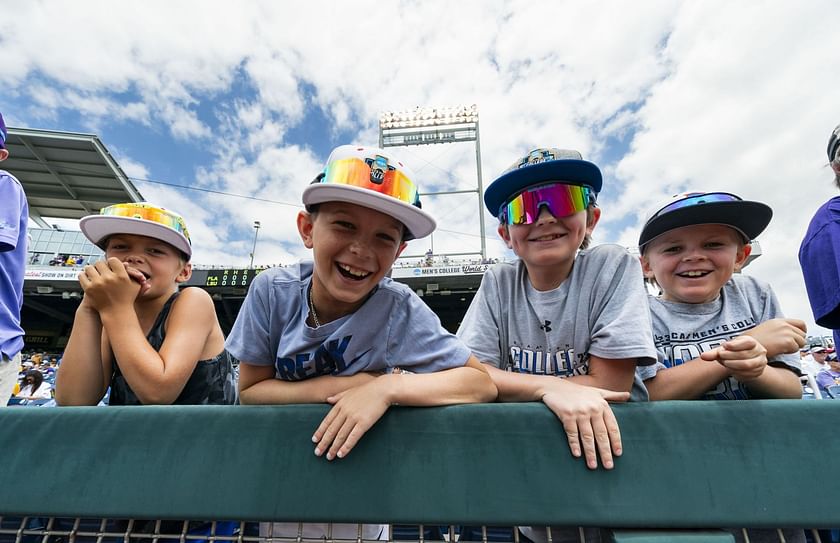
36, 378
61, 260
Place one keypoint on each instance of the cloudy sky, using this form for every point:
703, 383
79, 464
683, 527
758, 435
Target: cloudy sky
248, 98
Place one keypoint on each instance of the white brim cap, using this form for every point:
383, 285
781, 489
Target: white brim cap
418, 223
98, 228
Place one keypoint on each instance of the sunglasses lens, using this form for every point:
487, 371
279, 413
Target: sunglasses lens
356, 172
698, 199
561, 200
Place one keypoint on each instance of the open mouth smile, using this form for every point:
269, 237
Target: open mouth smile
694, 274
352, 273
548, 237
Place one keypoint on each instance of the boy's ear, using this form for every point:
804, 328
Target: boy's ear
504, 234
4, 154
646, 269
304, 224
592, 219
741, 256
185, 274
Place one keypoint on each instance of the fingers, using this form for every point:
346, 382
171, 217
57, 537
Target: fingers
739, 343
571, 427
798, 324
602, 441
135, 274
711, 356
613, 396
594, 435
337, 435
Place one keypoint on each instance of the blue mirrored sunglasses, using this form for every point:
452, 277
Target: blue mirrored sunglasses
695, 199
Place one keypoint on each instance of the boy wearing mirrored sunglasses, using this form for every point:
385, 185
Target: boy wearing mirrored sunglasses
562, 315
691, 248
134, 331
336, 330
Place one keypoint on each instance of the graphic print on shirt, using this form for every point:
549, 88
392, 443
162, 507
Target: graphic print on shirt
328, 359
681, 347
538, 361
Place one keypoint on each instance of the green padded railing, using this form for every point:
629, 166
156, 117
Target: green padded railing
685, 464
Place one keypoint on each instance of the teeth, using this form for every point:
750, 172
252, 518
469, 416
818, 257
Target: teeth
693, 273
353, 271
548, 237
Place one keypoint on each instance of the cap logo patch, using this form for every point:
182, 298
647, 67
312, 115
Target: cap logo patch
378, 167
537, 156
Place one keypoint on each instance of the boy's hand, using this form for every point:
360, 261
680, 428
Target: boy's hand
110, 283
354, 412
588, 420
779, 336
743, 356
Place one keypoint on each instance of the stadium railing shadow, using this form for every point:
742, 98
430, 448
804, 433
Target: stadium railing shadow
686, 466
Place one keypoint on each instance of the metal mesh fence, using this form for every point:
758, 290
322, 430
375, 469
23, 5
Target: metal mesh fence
87, 530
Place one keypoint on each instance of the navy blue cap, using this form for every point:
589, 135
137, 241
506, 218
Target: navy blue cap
541, 166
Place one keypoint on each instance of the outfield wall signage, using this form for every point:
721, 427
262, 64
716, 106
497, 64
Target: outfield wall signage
438, 271
52, 274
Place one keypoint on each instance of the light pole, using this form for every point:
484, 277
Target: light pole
254, 249
428, 126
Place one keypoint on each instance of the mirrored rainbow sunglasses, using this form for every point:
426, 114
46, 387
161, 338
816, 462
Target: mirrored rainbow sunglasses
561, 200
148, 212
690, 199
373, 175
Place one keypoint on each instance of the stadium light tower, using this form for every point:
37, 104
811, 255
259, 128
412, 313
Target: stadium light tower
428, 126
254, 249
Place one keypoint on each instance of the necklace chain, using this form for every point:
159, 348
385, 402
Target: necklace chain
312, 309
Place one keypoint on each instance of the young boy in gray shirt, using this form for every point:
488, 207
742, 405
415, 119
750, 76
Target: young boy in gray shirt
718, 334
561, 316
691, 248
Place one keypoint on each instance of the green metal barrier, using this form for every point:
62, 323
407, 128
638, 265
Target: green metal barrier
685, 465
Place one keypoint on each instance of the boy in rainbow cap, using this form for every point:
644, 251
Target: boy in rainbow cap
134, 331
337, 330
14, 216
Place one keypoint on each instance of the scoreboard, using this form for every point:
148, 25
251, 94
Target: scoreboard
230, 277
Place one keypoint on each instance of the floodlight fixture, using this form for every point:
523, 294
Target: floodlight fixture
428, 116
433, 125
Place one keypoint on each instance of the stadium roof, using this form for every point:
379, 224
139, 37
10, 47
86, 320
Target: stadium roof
66, 175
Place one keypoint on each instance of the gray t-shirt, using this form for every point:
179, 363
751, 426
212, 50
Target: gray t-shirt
682, 331
598, 310
393, 328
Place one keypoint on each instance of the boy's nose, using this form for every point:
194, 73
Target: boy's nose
545, 216
359, 247
695, 254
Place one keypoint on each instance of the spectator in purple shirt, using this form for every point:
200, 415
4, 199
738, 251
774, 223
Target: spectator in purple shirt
14, 215
819, 254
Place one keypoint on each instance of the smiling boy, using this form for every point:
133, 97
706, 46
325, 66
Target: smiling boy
561, 310
691, 247
134, 331
336, 330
